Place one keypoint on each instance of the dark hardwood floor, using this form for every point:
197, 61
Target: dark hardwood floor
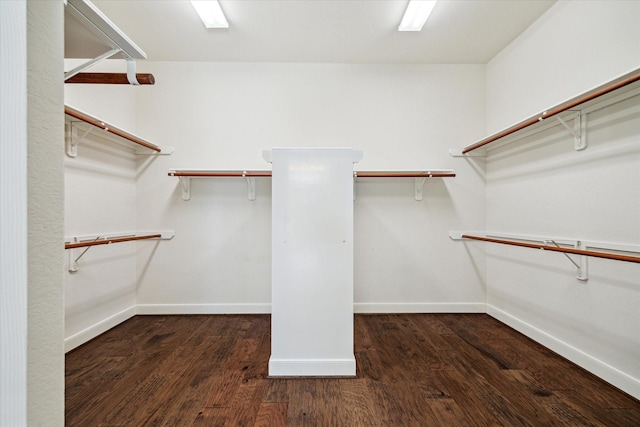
413, 370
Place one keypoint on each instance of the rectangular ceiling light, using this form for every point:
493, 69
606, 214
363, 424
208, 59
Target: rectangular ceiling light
211, 13
416, 15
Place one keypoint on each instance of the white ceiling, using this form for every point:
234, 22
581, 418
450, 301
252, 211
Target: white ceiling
335, 31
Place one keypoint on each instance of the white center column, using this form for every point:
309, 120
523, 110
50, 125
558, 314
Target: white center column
312, 261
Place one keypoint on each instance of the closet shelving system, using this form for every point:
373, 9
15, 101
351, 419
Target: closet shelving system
576, 109
79, 124
90, 34
420, 177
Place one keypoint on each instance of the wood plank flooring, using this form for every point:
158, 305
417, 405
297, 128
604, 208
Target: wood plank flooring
412, 370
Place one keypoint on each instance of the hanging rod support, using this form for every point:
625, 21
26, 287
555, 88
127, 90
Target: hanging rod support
419, 184
582, 267
578, 131
72, 140
185, 181
131, 72
251, 186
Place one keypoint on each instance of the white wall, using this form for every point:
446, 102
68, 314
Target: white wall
223, 115
575, 46
100, 199
45, 354
540, 186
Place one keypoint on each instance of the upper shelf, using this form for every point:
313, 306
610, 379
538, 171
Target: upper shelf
89, 33
611, 92
72, 140
419, 176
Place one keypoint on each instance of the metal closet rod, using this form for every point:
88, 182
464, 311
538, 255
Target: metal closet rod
596, 254
588, 96
105, 126
109, 241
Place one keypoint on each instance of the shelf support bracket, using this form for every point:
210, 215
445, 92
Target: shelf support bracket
579, 130
418, 188
185, 183
73, 260
583, 270
581, 266
251, 186
72, 140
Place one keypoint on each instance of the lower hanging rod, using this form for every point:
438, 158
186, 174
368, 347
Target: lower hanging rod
606, 255
109, 241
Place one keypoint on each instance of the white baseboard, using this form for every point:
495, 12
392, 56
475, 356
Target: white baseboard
93, 331
462, 307
203, 308
266, 308
312, 367
619, 379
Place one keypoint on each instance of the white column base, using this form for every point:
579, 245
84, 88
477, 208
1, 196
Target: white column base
312, 367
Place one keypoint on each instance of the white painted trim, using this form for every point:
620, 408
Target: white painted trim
312, 367
203, 308
13, 214
101, 327
599, 368
265, 308
419, 307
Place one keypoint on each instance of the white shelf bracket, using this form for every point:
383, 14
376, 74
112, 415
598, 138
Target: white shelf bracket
581, 266
72, 140
583, 269
185, 183
578, 131
73, 259
419, 185
251, 186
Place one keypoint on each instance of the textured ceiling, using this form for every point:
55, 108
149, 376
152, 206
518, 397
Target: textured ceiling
329, 31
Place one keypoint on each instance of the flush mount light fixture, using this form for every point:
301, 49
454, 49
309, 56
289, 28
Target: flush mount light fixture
211, 13
416, 15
